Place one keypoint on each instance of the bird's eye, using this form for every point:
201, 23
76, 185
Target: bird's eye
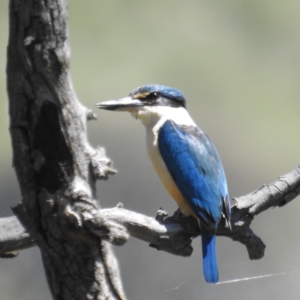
152, 96
148, 97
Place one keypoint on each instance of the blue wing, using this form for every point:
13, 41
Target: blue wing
196, 168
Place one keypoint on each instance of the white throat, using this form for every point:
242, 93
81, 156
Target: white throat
152, 115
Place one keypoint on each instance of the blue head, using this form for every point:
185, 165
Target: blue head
147, 95
160, 95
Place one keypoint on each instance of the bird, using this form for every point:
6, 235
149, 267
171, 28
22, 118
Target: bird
185, 160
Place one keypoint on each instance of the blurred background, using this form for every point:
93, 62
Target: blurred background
238, 64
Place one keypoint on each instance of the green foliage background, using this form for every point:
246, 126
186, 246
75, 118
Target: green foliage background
238, 63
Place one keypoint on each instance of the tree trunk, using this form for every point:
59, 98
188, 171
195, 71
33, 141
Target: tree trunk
56, 167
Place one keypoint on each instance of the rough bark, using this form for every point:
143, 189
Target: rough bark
56, 167
175, 234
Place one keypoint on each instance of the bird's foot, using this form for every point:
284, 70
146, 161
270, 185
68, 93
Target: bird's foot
161, 215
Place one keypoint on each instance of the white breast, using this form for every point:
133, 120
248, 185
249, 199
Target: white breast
153, 122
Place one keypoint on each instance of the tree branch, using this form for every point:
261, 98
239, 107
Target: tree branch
278, 193
174, 235
13, 237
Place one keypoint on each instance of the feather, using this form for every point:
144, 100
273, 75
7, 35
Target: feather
196, 168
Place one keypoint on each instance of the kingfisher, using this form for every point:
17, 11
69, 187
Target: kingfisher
185, 160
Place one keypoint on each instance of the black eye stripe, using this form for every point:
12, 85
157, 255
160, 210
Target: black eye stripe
161, 95
156, 99
150, 97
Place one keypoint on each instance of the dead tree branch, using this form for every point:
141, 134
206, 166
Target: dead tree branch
175, 235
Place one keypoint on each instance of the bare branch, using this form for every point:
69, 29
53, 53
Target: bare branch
13, 237
174, 235
278, 193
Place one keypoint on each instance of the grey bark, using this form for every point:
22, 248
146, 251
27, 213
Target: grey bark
174, 234
55, 165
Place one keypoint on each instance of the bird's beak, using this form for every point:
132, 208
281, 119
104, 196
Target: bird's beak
124, 104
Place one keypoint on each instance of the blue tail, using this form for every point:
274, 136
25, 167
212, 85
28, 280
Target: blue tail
209, 257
